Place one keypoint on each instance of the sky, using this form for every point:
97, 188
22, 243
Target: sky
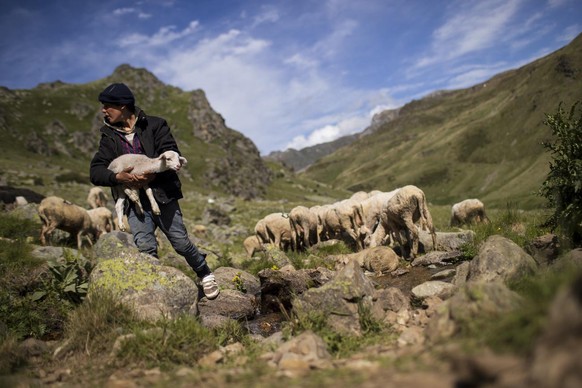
285, 73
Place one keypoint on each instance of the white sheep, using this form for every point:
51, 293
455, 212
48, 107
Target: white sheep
467, 212
55, 212
274, 228
97, 197
304, 226
102, 218
142, 164
407, 207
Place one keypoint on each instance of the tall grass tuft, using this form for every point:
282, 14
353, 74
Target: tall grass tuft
178, 341
96, 323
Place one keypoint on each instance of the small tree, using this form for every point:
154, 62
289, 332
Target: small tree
563, 185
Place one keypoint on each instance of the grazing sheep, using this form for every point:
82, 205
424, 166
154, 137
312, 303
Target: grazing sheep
102, 218
372, 210
252, 245
343, 220
169, 160
274, 229
97, 198
55, 212
319, 211
467, 212
303, 228
407, 207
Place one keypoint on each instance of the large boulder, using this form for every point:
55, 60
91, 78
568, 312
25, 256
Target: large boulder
446, 241
114, 244
152, 290
474, 300
500, 259
341, 300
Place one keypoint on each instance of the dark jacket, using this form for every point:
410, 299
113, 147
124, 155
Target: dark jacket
156, 138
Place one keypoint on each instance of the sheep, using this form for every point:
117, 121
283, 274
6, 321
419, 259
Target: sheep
303, 227
102, 218
467, 212
97, 198
274, 228
372, 210
169, 160
402, 211
319, 211
55, 212
252, 245
345, 218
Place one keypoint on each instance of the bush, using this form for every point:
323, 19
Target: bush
563, 185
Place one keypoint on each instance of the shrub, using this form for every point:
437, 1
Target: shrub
563, 185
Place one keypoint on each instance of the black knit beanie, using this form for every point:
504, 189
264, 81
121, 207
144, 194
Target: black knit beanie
117, 94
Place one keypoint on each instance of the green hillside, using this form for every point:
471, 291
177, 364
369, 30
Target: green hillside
483, 141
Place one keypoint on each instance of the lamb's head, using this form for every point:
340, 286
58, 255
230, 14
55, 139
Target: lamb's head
173, 160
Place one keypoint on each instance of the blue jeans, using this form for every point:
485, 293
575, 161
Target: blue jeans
172, 225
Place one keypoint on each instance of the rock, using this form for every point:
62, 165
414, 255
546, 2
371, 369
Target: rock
302, 353
436, 288
390, 299
446, 241
152, 290
447, 273
114, 244
500, 259
544, 249
472, 300
232, 304
280, 286
339, 300
461, 274
237, 279
437, 257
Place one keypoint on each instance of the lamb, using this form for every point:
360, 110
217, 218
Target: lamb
55, 212
102, 218
97, 198
407, 207
467, 212
169, 160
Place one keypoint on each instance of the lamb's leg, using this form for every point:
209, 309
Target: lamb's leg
133, 195
119, 211
150, 194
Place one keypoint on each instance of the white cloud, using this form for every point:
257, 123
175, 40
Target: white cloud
267, 15
475, 27
123, 11
330, 132
163, 36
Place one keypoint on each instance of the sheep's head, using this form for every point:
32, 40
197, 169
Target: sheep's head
173, 160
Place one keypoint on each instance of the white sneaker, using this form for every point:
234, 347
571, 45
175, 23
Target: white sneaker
210, 286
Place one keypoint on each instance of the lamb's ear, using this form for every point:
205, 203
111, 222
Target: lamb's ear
183, 161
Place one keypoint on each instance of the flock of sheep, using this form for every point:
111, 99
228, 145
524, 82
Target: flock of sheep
365, 220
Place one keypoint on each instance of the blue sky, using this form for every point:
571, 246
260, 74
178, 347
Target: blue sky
289, 73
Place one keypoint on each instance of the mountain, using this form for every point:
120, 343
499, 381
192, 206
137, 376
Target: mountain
52, 131
484, 141
298, 160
